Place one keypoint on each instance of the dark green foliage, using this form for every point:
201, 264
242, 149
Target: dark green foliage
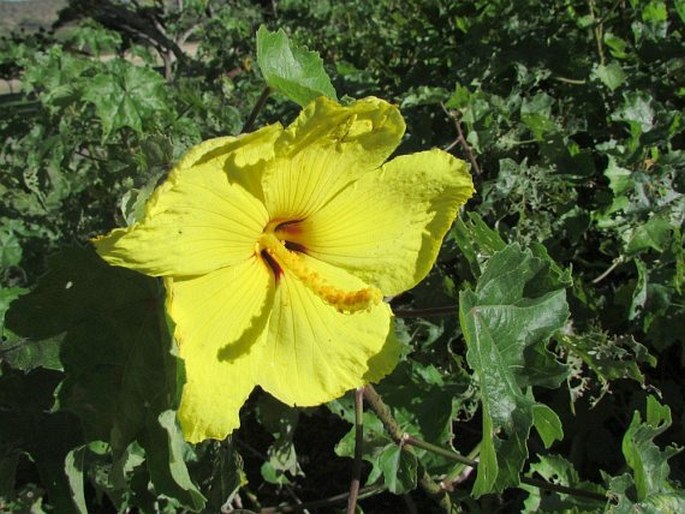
562, 282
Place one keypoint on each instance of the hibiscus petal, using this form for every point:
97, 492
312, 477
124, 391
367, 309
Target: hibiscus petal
388, 226
313, 353
325, 149
220, 318
207, 215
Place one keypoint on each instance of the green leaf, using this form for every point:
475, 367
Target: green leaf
476, 240
73, 467
639, 299
281, 421
536, 114
611, 75
656, 234
547, 423
399, 469
165, 452
609, 358
126, 95
290, 69
421, 400
637, 111
10, 249
120, 376
7, 296
557, 470
648, 463
26, 355
517, 305
620, 179
680, 9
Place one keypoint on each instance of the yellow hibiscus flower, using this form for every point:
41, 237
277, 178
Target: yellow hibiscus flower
276, 249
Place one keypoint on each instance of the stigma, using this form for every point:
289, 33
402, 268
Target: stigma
280, 254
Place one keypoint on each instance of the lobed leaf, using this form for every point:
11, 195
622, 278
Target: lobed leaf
517, 305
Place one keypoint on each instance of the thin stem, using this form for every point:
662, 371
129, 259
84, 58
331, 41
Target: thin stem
617, 262
358, 444
426, 313
364, 492
404, 440
460, 472
540, 484
598, 31
567, 80
261, 102
455, 115
439, 450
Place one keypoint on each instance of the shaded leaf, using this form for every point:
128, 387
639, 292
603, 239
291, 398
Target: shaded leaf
557, 470
399, 469
120, 376
611, 75
73, 467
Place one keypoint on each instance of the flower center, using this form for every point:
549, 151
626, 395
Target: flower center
281, 254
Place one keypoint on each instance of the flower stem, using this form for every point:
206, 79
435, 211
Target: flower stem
358, 443
261, 102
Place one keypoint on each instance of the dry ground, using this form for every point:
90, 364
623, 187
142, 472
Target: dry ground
29, 15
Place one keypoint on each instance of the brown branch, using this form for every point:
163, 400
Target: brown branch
358, 447
397, 434
405, 441
455, 116
261, 102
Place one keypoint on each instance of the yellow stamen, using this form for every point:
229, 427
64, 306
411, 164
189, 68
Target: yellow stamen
343, 301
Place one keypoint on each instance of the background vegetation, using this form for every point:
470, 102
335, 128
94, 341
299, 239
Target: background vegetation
571, 115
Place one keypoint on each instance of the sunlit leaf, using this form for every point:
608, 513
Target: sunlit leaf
649, 463
126, 95
506, 322
291, 69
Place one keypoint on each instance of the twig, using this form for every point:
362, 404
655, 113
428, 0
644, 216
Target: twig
364, 492
598, 31
358, 446
425, 313
261, 102
540, 484
567, 80
460, 472
405, 440
397, 434
455, 115
617, 262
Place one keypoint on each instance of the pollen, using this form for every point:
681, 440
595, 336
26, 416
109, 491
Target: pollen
342, 300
